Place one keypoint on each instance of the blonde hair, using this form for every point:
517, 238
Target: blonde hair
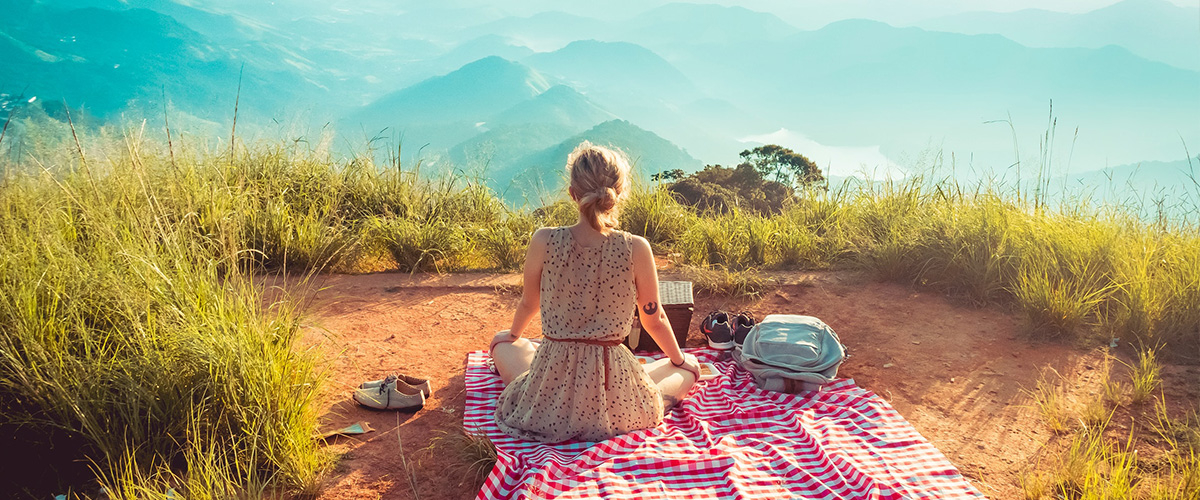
600, 180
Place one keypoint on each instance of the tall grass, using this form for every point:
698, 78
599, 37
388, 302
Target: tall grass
135, 347
132, 331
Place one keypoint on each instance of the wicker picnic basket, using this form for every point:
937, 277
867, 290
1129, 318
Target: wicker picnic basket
678, 304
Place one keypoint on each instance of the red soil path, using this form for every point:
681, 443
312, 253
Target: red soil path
956, 372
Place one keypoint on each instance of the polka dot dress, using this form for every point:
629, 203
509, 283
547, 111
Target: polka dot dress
586, 293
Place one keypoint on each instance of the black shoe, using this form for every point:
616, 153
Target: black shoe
742, 323
717, 329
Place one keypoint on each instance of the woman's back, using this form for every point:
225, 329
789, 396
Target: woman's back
588, 292
582, 384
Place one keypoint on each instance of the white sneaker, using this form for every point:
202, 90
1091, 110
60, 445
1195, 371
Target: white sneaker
389, 395
402, 380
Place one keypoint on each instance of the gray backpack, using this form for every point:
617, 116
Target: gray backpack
791, 353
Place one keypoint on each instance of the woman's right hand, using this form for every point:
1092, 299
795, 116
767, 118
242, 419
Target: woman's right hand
691, 364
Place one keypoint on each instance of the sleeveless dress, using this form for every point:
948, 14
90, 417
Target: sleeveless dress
576, 388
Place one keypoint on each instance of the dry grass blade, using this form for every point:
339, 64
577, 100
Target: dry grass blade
1050, 403
474, 455
409, 471
1145, 375
720, 281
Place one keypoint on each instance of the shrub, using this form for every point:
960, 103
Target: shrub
721, 189
653, 213
435, 245
505, 244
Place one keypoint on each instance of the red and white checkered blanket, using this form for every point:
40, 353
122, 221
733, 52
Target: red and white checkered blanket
727, 440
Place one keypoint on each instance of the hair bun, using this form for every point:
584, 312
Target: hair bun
606, 199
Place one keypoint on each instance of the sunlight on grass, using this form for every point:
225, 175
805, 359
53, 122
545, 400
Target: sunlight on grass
1145, 376
133, 333
1049, 401
473, 455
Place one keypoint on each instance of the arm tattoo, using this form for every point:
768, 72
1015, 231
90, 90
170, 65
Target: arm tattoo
650, 308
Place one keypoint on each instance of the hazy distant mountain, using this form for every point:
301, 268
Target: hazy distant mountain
848, 57
104, 60
637, 85
445, 110
461, 54
1142, 181
540, 175
700, 76
1151, 189
907, 88
479, 48
623, 68
545, 30
532, 125
1154, 29
689, 23
559, 105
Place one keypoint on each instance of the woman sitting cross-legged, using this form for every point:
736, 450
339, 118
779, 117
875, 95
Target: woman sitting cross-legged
587, 280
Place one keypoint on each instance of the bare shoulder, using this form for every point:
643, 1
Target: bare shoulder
542, 235
641, 247
639, 243
540, 241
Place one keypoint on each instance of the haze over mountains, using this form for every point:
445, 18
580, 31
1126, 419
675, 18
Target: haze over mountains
506, 90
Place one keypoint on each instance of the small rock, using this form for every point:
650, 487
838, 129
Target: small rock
916, 342
389, 337
951, 380
888, 365
392, 289
980, 446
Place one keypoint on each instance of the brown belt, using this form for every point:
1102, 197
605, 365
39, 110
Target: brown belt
606, 344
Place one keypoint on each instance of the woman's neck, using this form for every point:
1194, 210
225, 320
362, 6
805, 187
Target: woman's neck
586, 235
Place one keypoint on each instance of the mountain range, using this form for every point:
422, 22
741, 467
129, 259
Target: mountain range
464, 83
1154, 29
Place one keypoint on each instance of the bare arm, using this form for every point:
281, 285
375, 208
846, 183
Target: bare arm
532, 286
650, 311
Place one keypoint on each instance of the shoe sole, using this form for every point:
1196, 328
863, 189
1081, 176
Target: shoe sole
428, 394
407, 409
721, 345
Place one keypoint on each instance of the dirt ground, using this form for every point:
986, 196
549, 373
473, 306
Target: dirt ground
958, 373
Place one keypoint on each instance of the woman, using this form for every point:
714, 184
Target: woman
587, 280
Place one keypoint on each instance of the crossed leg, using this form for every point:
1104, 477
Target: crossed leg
673, 382
513, 358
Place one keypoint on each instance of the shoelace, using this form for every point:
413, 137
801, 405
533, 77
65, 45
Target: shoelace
388, 381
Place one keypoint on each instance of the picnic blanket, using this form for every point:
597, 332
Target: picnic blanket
726, 440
